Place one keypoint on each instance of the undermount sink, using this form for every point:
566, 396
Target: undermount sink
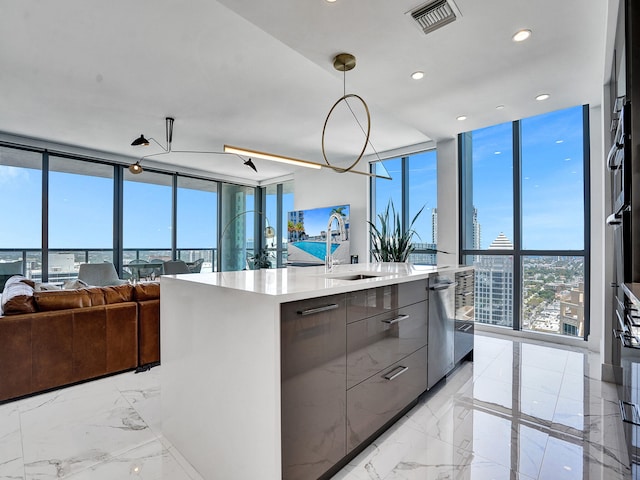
352, 276
357, 276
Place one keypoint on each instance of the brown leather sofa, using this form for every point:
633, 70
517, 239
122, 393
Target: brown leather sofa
61, 337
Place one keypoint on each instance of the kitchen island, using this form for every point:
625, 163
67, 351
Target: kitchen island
284, 373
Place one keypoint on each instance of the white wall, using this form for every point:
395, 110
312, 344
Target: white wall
599, 268
324, 188
448, 199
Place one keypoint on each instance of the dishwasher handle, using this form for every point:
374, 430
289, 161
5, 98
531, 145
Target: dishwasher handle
443, 285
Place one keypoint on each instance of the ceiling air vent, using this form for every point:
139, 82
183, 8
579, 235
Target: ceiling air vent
434, 15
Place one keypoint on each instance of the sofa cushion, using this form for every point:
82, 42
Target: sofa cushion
17, 296
118, 293
96, 296
74, 284
62, 299
147, 291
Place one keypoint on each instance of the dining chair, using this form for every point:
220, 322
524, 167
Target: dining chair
173, 267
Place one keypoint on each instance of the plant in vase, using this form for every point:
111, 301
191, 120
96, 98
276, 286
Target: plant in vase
262, 259
389, 241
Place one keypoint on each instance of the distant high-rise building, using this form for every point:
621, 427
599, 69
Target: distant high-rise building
434, 226
494, 285
572, 311
476, 228
477, 237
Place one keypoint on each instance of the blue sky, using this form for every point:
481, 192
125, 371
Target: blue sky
423, 190
552, 181
552, 200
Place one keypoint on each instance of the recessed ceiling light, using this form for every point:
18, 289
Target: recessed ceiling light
499, 107
331, 1
461, 118
417, 75
521, 35
542, 96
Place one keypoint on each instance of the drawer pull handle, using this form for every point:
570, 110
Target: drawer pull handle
465, 328
395, 373
399, 318
324, 308
623, 412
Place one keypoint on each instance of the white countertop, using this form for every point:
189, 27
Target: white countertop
294, 283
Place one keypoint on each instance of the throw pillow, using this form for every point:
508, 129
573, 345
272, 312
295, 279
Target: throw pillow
17, 296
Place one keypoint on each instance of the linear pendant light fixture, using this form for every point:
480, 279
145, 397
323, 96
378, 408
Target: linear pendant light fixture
242, 153
270, 156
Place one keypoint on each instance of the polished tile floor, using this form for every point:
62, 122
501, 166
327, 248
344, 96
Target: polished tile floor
521, 410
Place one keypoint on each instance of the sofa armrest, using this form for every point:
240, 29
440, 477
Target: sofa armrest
15, 356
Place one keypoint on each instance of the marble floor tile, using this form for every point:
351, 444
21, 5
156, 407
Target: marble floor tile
11, 462
521, 410
151, 461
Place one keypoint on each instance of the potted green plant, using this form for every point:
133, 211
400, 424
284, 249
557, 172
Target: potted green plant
262, 259
390, 242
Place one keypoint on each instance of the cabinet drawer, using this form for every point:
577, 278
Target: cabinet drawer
374, 301
377, 400
377, 342
313, 378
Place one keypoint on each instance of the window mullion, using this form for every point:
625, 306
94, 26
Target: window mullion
517, 225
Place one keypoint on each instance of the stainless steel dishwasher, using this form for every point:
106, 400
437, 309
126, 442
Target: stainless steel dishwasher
441, 324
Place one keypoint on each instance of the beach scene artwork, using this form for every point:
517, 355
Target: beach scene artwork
307, 236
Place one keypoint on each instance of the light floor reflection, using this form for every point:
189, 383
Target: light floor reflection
521, 410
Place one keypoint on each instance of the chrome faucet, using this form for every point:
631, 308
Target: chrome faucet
329, 260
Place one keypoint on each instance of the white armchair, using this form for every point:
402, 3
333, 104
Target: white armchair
99, 274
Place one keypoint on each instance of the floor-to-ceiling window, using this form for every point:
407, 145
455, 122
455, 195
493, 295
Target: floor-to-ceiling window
21, 217
66, 210
197, 222
277, 202
287, 206
412, 191
239, 216
524, 211
146, 221
80, 216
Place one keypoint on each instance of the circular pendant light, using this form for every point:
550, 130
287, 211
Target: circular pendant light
343, 63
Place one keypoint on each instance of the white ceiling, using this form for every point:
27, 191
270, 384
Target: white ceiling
259, 74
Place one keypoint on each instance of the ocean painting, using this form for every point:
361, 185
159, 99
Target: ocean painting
307, 235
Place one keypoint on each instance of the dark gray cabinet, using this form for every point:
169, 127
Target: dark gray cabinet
376, 342
349, 364
374, 301
313, 378
379, 398
386, 355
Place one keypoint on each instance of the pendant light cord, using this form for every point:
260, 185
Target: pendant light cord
344, 93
